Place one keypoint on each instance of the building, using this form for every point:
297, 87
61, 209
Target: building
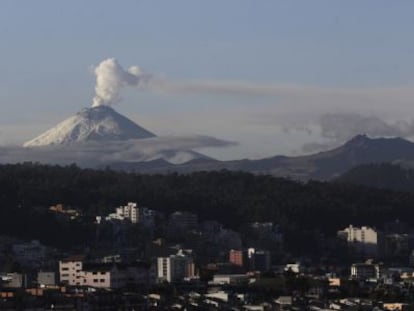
257, 260
70, 270
45, 279
175, 268
127, 212
397, 306
116, 275
132, 213
59, 209
364, 271
236, 257
74, 271
13, 280
294, 267
363, 241
221, 279
261, 260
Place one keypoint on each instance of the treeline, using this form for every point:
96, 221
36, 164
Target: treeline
233, 198
382, 176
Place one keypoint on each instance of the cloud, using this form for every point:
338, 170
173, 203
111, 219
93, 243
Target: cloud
173, 149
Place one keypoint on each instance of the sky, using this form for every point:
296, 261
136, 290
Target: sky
335, 68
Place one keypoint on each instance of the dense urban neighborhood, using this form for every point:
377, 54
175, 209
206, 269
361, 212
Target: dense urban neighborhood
143, 259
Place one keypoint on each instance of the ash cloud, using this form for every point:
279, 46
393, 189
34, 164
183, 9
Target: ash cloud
173, 149
111, 78
339, 127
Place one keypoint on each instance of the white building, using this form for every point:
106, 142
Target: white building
73, 271
70, 270
127, 212
131, 212
175, 268
363, 240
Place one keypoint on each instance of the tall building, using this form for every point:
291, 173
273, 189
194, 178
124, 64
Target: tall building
175, 268
364, 240
70, 270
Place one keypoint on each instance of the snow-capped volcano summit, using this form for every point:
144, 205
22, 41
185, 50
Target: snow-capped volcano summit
101, 123
100, 134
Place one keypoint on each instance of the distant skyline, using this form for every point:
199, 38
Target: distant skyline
348, 66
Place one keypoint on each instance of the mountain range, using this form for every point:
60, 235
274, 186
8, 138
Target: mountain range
103, 124
325, 165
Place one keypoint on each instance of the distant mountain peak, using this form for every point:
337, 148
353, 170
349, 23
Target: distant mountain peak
364, 140
91, 124
103, 124
359, 139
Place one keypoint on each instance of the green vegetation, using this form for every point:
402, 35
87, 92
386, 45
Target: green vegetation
303, 210
383, 176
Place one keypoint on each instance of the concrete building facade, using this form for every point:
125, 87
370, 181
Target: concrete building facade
175, 268
363, 240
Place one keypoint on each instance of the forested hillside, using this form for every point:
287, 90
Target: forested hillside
233, 198
382, 176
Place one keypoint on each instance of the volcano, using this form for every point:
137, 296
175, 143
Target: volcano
101, 123
102, 126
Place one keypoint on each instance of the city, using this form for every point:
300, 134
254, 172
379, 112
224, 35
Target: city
144, 259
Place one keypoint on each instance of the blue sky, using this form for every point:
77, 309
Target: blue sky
49, 47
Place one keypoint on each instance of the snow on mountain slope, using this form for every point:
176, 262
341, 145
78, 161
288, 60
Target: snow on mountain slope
103, 131
100, 123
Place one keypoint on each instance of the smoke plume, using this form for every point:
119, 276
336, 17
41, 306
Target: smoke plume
111, 78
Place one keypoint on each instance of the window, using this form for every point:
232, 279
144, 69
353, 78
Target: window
65, 269
102, 280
